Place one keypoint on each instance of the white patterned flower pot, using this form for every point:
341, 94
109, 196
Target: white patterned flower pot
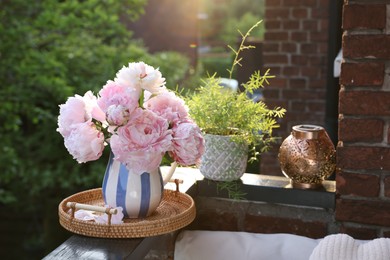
223, 159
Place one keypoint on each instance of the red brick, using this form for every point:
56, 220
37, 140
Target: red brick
316, 106
292, 3
309, 2
362, 74
370, 16
307, 48
271, 93
291, 71
361, 130
324, 25
275, 58
365, 212
297, 118
311, 72
278, 82
322, 47
364, 103
310, 25
271, 47
297, 60
289, 47
299, 36
318, 13
363, 158
290, 25
298, 106
317, 60
275, 36
387, 186
269, 224
272, 25
274, 70
269, 3
277, 13
291, 94
359, 233
318, 36
300, 13
298, 83
319, 85
366, 46
355, 184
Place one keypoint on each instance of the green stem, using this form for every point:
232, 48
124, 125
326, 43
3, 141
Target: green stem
241, 48
141, 99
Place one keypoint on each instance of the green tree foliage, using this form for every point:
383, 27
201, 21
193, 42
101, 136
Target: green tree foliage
225, 17
50, 50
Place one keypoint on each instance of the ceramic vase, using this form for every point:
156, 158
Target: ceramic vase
223, 159
138, 195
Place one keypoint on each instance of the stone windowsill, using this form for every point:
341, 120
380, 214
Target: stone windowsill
264, 188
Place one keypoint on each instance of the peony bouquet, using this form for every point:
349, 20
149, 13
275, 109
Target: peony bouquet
137, 116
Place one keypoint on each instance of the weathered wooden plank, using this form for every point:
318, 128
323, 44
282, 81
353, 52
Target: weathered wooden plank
80, 247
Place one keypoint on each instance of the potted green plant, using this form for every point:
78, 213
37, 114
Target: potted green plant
232, 123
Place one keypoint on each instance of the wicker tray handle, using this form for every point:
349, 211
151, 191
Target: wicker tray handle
109, 211
177, 182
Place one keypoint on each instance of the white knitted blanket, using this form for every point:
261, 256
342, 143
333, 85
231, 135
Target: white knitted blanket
342, 246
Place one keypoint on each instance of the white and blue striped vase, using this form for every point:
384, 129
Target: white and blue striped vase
138, 195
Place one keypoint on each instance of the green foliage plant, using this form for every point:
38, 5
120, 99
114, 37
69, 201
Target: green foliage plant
220, 111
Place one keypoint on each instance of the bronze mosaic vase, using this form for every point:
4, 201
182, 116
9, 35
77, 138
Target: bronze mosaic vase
307, 156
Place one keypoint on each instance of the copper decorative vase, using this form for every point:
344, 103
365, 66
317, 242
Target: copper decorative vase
307, 156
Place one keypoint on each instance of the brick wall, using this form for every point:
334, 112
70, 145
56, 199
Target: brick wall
363, 152
295, 49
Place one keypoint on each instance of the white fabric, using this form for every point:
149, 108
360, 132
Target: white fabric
225, 245
342, 246
337, 64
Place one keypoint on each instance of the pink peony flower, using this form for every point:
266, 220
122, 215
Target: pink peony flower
188, 144
139, 75
92, 109
139, 136
77, 110
117, 115
85, 143
142, 142
169, 106
114, 94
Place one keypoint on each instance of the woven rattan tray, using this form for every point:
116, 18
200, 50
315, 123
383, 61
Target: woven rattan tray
175, 211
